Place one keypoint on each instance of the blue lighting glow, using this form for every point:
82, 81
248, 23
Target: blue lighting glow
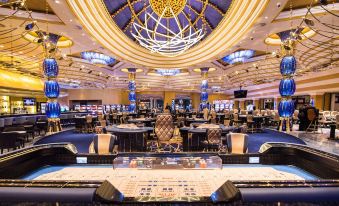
97, 58
286, 108
288, 65
53, 109
51, 68
51, 89
287, 87
239, 56
168, 72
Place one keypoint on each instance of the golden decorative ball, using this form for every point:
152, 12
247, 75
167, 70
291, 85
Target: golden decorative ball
159, 6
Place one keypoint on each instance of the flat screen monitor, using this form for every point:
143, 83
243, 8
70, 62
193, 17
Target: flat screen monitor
240, 94
29, 101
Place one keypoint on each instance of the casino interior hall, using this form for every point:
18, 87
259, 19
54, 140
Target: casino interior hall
163, 102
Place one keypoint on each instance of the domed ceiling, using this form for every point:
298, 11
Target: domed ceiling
112, 23
205, 14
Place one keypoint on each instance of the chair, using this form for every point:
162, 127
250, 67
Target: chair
337, 120
19, 120
276, 118
103, 144
237, 143
256, 112
295, 116
9, 141
323, 122
164, 130
213, 117
333, 115
123, 118
243, 112
236, 120
312, 117
31, 120
115, 118
213, 139
227, 122
89, 121
327, 115
250, 123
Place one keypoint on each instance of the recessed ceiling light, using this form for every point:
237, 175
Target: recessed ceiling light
56, 1
2, 46
266, 17
71, 20
83, 34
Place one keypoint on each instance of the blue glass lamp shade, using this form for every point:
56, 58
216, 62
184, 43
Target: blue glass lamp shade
286, 108
131, 107
53, 109
52, 89
131, 86
51, 68
204, 96
204, 84
287, 87
288, 65
132, 96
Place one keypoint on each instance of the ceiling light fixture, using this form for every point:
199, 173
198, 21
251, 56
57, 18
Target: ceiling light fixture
239, 56
172, 43
168, 72
97, 58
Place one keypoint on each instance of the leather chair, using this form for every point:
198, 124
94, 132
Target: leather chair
250, 123
313, 119
103, 144
164, 128
236, 120
237, 143
213, 139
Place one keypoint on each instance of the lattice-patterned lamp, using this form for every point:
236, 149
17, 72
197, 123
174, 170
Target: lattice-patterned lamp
131, 88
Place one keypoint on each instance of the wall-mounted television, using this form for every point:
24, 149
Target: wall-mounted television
240, 94
29, 101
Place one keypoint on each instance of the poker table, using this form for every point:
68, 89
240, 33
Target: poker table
146, 121
279, 173
192, 137
131, 139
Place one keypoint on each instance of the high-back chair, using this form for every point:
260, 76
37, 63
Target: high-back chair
337, 120
312, 117
250, 123
243, 112
236, 120
227, 122
237, 143
256, 112
89, 121
213, 117
102, 144
213, 139
333, 114
164, 128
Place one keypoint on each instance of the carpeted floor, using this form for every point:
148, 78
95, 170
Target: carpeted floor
82, 141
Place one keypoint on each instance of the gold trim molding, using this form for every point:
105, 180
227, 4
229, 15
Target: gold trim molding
95, 18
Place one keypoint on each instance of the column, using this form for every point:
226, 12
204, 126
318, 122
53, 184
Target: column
131, 88
204, 87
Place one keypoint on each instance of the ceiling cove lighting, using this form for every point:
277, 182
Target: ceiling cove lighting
97, 58
168, 72
239, 56
170, 44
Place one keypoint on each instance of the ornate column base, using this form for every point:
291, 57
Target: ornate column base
54, 126
285, 125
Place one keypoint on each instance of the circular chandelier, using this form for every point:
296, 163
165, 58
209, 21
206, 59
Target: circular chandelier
168, 72
176, 39
239, 56
97, 58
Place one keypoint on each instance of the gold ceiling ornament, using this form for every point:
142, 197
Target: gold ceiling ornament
158, 6
238, 21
